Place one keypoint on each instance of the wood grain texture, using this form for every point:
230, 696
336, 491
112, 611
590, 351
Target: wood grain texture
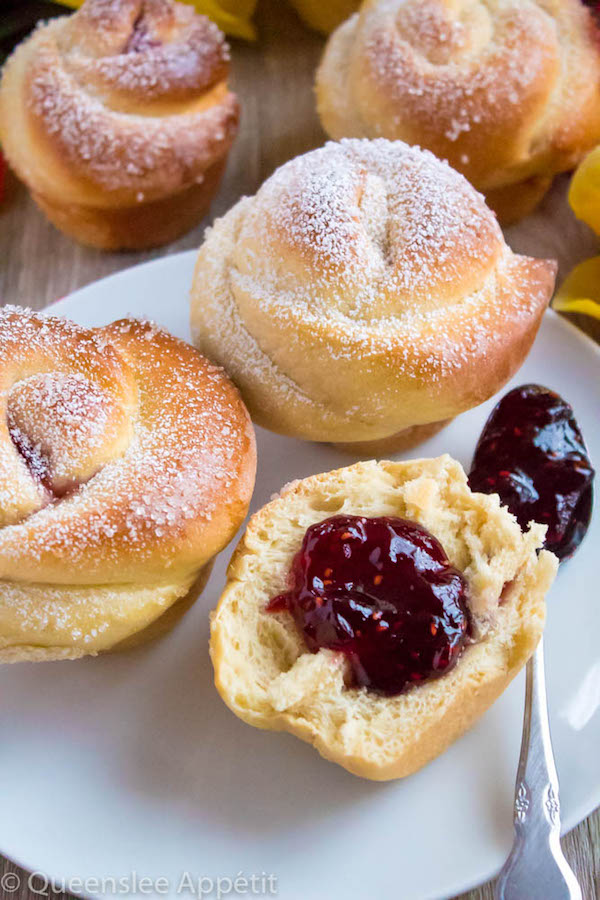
274, 81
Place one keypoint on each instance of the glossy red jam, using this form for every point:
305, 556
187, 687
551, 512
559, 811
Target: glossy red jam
532, 453
382, 591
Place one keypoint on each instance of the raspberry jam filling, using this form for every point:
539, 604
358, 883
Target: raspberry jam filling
593, 5
33, 458
39, 467
382, 591
532, 453
140, 39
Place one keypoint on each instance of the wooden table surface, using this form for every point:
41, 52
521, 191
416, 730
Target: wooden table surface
274, 81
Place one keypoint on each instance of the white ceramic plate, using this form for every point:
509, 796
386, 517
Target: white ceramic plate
132, 764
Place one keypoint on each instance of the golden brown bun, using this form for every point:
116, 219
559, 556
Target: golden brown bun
365, 289
127, 463
395, 443
119, 120
265, 674
168, 619
507, 91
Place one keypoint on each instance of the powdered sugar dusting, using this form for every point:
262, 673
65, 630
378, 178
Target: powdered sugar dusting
61, 421
485, 85
362, 281
371, 226
98, 83
176, 450
174, 59
449, 75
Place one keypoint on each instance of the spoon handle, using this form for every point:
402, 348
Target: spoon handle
536, 867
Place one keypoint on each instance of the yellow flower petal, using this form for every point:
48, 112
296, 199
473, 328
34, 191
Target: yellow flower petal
580, 291
233, 16
584, 192
325, 15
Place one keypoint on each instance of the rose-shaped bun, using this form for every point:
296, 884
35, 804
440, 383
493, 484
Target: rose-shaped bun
365, 294
506, 91
119, 120
127, 463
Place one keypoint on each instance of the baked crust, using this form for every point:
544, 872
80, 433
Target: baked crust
163, 623
267, 677
119, 120
450, 77
365, 289
127, 462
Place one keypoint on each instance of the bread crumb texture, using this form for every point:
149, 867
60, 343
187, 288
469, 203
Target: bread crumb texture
267, 677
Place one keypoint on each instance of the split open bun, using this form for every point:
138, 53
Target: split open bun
266, 675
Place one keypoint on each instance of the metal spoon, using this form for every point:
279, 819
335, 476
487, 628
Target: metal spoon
536, 868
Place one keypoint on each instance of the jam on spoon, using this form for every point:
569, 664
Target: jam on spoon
382, 591
532, 453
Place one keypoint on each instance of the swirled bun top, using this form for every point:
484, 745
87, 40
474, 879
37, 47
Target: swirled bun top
127, 462
124, 455
505, 90
122, 101
366, 288
361, 222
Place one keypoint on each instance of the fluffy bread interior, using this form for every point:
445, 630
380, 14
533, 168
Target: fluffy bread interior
266, 675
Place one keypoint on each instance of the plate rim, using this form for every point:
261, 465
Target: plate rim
582, 810
184, 254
